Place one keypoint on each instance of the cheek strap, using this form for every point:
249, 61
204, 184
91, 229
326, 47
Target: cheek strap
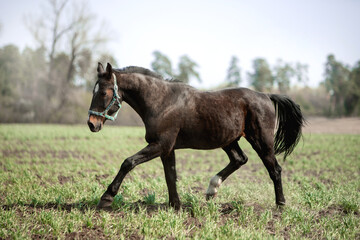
115, 99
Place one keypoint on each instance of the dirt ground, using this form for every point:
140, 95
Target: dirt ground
332, 125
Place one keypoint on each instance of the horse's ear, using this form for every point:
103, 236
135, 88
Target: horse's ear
100, 68
109, 70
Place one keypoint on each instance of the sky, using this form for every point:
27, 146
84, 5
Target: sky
211, 32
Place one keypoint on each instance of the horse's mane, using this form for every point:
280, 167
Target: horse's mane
144, 71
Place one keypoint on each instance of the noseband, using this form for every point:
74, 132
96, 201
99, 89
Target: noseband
115, 99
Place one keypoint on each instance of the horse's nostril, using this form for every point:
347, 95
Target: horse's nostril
91, 126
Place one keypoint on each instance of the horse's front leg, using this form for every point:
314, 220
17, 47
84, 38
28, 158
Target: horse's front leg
170, 176
151, 151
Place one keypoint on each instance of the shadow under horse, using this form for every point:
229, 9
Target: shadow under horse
178, 116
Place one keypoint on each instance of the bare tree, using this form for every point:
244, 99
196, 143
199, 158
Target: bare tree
67, 34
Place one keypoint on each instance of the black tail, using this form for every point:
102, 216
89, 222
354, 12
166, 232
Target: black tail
289, 124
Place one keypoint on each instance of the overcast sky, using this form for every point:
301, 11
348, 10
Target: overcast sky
210, 32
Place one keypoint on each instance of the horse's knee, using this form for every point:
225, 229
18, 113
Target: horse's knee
127, 165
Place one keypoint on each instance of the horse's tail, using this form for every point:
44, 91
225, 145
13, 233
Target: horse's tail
290, 120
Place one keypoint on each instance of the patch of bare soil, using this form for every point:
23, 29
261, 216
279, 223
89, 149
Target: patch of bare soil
98, 178
64, 179
271, 224
335, 210
332, 125
87, 233
150, 208
194, 224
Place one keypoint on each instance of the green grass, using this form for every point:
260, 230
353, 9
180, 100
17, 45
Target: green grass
51, 178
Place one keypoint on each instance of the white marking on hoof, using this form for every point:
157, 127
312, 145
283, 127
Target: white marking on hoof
215, 182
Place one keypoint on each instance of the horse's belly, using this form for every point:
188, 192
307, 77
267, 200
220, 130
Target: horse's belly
208, 137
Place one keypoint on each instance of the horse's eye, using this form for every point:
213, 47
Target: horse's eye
103, 93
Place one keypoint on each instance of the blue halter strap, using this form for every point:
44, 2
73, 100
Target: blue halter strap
115, 99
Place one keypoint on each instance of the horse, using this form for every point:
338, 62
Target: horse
178, 116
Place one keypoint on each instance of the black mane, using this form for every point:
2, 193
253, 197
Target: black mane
141, 70
145, 71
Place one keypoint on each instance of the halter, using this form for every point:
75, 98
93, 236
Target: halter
115, 98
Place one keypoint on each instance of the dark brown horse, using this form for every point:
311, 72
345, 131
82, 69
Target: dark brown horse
178, 116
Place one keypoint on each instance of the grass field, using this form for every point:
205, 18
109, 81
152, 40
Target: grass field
53, 176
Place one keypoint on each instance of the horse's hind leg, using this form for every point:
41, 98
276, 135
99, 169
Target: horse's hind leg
263, 143
237, 158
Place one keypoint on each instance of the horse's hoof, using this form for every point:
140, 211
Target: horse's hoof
210, 196
105, 202
280, 204
175, 205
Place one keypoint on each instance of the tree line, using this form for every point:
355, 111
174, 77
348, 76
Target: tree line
37, 88
263, 78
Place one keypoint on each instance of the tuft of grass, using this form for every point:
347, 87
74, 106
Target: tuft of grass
350, 205
150, 198
118, 201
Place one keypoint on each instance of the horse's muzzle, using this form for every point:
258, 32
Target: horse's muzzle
94, 124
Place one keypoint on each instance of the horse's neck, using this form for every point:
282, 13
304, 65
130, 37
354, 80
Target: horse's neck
143, 93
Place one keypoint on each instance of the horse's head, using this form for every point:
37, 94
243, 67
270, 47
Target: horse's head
106, 100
